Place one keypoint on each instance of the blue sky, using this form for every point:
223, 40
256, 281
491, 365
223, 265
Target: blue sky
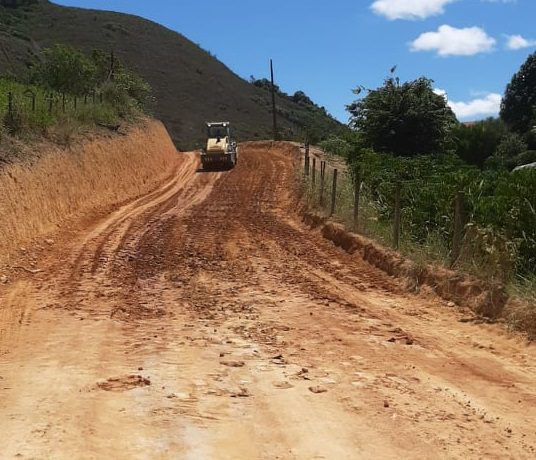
470, 48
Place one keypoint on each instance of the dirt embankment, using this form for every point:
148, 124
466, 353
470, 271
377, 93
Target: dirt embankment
489, 300
485, 299
37, 198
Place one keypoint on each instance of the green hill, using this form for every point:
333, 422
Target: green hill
190, 85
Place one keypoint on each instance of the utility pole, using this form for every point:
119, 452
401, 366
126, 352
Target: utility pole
274, 115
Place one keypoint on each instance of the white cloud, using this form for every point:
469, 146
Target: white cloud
450, 41
488, 105
409, 9
517, 42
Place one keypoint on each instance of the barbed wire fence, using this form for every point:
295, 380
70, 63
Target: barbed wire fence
344, 195
29, 102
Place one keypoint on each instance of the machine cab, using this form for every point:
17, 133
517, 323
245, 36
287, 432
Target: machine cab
218, 130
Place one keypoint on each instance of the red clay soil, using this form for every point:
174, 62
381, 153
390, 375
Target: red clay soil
205, 320
485, 299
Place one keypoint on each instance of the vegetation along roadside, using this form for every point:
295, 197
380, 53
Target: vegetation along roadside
463, 200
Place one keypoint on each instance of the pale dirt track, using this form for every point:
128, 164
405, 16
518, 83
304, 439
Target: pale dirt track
192, 323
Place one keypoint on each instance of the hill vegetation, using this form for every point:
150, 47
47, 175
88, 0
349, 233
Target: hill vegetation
66, 93
190, 85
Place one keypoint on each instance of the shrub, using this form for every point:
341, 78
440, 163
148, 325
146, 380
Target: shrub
65, 70
499, 205
336, 146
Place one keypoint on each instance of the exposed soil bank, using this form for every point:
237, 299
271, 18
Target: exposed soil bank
483, 298
63, 183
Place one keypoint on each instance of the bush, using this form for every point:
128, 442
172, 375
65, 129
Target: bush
524, 158
477, 142
510, 146
336, 146
501, 206
74, 84
65, 70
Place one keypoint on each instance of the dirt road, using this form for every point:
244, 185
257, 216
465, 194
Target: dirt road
204, 321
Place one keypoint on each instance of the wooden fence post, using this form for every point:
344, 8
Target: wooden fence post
50, 103
75, 102
397, 217
314, 171
63, 102
459, 225
307, 160
10, 104
357, 191
322, 180
334, 193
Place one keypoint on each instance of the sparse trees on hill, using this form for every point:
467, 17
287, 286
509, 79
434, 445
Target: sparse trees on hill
67, 70
17, 3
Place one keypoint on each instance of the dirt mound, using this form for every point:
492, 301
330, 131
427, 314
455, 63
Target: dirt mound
483, 298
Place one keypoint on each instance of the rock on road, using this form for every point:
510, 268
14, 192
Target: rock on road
205, 321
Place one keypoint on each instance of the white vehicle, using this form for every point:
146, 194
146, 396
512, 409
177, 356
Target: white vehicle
528, 166
221, 151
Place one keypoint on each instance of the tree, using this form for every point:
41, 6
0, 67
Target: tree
66, 70
519, 101
476, 142
404, 119
301, 98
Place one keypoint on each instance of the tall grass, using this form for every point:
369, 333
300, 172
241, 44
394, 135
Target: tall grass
37, 198
51, 109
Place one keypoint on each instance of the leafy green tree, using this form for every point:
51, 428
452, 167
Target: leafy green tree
519, 101
66, 70
405, 119
134, 86
476, 142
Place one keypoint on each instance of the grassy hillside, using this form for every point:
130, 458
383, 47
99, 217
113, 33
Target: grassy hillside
189, 84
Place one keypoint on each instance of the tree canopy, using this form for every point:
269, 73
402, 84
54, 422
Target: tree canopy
65, 70
476, 142
519, 102
404, 119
